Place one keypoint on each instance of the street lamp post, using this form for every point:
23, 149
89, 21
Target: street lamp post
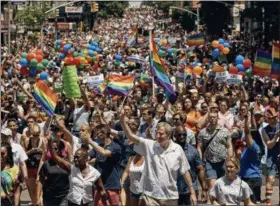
9, 28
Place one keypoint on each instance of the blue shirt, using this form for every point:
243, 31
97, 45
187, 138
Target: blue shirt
194, 161
273, 152
109, 167
251, 162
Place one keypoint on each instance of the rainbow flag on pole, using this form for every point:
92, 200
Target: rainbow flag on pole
119, 85
195, 40
132, 38
158, 70
262, 66
45, 96
275, 67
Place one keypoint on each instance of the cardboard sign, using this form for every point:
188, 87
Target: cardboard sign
235, 79
94, 81
221, 77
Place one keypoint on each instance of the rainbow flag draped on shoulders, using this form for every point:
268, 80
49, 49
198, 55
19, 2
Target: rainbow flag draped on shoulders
275, 67
45, 97
262, 66
195, 40
132, 38
158, 70
119, 85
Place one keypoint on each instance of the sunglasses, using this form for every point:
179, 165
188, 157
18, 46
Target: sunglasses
180, 135
3, 154
176, 119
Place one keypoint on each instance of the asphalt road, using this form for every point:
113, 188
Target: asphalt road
275, 197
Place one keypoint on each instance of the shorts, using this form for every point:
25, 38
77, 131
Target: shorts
136, 196
112, 195
269, 169
32, 172
215, 170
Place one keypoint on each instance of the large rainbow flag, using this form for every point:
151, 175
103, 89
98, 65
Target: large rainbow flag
195, 40
45, 96
262, 66
275, 67
119, 85
132, 38
158, 70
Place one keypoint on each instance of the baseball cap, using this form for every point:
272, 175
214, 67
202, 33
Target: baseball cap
6, 131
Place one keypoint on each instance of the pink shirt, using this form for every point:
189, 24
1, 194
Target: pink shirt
226, 120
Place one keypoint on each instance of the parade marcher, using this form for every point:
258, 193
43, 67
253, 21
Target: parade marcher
174, 159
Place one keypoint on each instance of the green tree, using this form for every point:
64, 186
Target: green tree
33, 15
112, 8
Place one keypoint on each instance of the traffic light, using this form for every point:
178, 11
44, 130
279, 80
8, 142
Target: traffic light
170, 12
56, 14
94, 7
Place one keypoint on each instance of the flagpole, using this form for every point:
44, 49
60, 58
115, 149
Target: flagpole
153, 78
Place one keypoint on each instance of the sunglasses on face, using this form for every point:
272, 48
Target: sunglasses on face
181, 134
176, 119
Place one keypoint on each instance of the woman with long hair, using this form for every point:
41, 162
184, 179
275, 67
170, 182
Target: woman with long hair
9, 175
134, 170
192, 115
55, 178
35, 149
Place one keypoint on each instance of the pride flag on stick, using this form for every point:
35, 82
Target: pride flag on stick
275, 67
119, 85
195, 40
45, 96
262, 66
159, 72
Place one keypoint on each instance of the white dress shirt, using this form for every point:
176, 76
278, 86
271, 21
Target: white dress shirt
81, 188
162, 167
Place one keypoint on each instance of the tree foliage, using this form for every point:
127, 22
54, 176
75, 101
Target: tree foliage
112, 8
32, 15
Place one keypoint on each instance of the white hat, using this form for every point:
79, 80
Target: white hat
6, 131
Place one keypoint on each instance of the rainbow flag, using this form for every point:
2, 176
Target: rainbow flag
262, 66
195, 40
45, 97
119, 85
158, 70
132, 38
100, 89
144, 80
275, 67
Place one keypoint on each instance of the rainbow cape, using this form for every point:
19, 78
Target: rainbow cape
119, 85
45, 97
158, 70
262, 66
275, 67
132, 38
195, 40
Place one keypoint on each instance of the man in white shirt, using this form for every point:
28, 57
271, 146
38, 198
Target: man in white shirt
163, 159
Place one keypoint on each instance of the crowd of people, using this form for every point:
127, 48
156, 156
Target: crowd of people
214, 144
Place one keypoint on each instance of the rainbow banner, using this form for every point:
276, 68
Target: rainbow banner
132, 38
119, 85
158, 70
45, 97
195, 40
262, 66
275, 66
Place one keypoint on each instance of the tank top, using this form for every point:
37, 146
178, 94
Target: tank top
135, 173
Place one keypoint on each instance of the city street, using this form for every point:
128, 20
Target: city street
275, 198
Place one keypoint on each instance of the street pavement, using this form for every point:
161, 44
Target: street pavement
275, 197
